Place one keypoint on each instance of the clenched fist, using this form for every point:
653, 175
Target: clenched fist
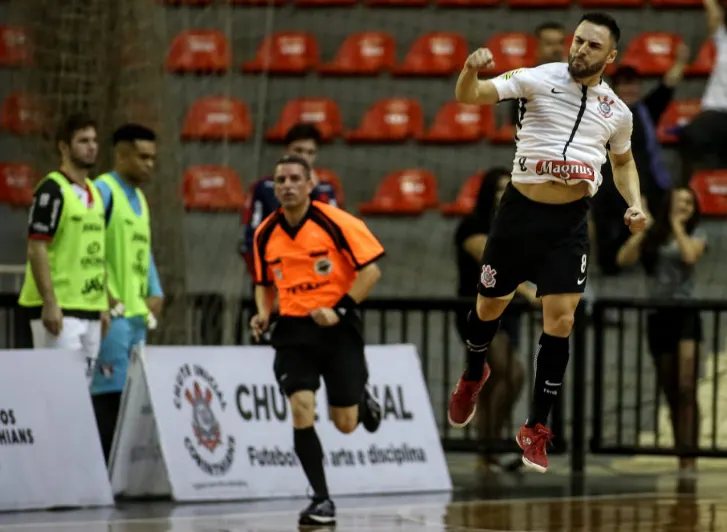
479, 60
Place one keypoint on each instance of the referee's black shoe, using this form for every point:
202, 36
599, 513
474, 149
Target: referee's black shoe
370, 410
320, 512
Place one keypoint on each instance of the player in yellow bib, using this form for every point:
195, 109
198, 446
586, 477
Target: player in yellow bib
64, 290
134, 287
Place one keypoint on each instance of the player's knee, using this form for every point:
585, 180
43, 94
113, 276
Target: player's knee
345, 419
559, 323
303, 409
489, 308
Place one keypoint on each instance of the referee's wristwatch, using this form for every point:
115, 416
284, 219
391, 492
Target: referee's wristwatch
345, 305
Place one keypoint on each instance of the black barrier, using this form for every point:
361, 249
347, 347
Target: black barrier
430, 325
642, 371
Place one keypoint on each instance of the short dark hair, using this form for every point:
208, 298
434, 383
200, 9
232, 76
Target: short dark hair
302, 131
295, 159
72, 124
545, 26
603, 19
624, 74
132, 132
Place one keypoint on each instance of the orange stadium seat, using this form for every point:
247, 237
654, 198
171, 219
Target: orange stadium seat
434, 54
212, 188
511, 51
14, 46
199, 51
287, 52
711, 189
17, 181
466, 199
22, 114
652, 54
457, 123
611, 3
389, 120
677, 114
538, 3
217, 118
362, 54
322, 112
404, 192
329, 176
704, 62
466, 3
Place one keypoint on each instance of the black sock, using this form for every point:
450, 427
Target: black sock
479, 336
310, 453
551, 361
363, 409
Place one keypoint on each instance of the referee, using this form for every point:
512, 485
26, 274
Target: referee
322, 261
64, 290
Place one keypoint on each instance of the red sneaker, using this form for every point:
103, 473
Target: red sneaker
463, 403
533, 442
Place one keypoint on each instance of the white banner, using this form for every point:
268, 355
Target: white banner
50, 452
226, 433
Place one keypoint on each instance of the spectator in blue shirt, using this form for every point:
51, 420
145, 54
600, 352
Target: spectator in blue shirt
302, 140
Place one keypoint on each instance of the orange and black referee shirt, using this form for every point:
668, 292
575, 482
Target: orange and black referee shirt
314, 264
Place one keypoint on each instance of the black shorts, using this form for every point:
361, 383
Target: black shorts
305, 352
665, 328
538, 242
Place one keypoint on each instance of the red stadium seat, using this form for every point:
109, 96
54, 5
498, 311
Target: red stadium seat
325, 3
389, 120
329, 176
466, 199
212, 188
652, 54
549, 4
198, 3
678, 114
22, 114
677, 3
434, 54
511, 51
397, 3
17, 181
611, 3
404, 192
289, 52
322, 112
457, 123
250, 3
711, 189
362, 54
217, 118
467, 3
14, 46
199, 51
704, 62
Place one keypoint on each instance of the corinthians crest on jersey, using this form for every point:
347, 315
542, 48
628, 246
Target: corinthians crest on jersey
198, 393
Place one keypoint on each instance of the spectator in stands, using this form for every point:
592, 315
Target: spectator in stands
506, 381
702, 141
654, 174
304, 141
669, 250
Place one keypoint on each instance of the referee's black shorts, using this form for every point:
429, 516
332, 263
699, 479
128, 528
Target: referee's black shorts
538, 242
306, 352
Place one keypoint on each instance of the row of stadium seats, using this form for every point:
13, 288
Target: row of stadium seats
371, 53
445, 3
432, 54
408, 192
388, 120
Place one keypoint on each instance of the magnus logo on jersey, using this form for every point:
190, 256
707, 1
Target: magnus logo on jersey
566, 170
604, 106
210, 450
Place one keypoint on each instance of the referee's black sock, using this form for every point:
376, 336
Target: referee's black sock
551, 361
310, 453
479, 336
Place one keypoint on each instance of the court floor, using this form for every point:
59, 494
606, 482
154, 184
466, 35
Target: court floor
528, 502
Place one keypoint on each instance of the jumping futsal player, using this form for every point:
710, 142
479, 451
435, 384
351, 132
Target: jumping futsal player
322, 262
569, 121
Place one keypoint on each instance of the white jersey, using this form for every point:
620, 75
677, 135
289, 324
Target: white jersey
564, 128
715, 95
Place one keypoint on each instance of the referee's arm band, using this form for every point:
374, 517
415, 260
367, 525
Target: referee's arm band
344, 305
